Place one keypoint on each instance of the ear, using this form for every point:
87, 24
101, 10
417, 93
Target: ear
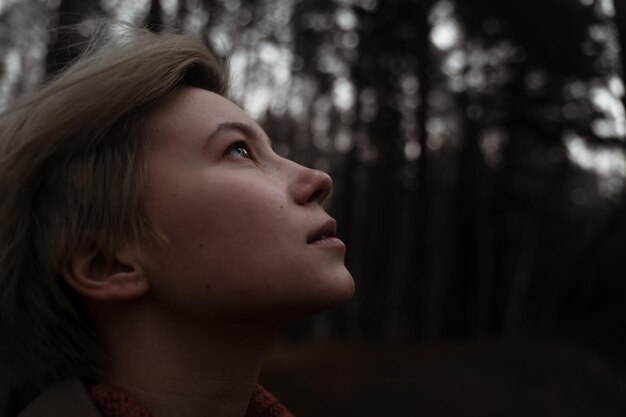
96, 275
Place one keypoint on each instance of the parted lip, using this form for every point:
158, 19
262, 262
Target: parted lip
328, 229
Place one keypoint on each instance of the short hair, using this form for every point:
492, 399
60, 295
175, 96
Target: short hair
72, 172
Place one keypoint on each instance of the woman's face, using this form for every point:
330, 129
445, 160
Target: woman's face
239, 218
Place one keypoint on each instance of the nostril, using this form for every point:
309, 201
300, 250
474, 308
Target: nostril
315, 196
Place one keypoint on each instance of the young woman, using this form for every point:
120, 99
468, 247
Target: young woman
151, 241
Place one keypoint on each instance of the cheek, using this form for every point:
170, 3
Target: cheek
236, 247
222, 213
217, 227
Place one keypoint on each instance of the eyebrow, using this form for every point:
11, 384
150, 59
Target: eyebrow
245, 129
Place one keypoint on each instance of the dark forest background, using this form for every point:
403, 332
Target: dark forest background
478, 152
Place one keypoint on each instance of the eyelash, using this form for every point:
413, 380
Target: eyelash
240, 144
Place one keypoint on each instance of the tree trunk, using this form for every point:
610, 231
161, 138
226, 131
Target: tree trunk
154, 19
62, 49
424, 311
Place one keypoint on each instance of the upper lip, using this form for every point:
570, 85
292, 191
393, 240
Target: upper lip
328, 229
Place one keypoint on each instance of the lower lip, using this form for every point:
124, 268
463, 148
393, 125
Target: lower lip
329, 242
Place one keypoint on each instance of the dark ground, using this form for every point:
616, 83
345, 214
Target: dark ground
465, 379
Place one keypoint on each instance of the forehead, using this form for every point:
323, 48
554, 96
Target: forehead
190, 114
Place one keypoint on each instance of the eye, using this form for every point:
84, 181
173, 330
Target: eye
239, 150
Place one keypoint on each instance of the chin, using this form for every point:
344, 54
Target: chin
333, 295
345, 292
300, 302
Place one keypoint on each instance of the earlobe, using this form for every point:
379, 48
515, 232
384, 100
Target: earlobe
109, 278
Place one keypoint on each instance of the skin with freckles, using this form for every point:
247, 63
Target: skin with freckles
186, 324
237, 216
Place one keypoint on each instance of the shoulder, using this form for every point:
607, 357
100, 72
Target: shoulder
65, 399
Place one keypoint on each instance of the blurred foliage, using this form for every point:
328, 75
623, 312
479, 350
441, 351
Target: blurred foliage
477, 146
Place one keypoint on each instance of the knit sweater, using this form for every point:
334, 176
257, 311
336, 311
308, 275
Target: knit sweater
112, 402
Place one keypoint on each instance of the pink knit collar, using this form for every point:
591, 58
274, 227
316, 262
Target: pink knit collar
113, 402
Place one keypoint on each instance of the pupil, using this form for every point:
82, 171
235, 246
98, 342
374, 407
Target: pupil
242, 152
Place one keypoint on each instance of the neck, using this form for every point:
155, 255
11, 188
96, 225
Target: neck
175, 368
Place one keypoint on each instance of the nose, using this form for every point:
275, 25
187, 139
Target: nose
310, 186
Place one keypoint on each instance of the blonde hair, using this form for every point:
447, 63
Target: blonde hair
72, 165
